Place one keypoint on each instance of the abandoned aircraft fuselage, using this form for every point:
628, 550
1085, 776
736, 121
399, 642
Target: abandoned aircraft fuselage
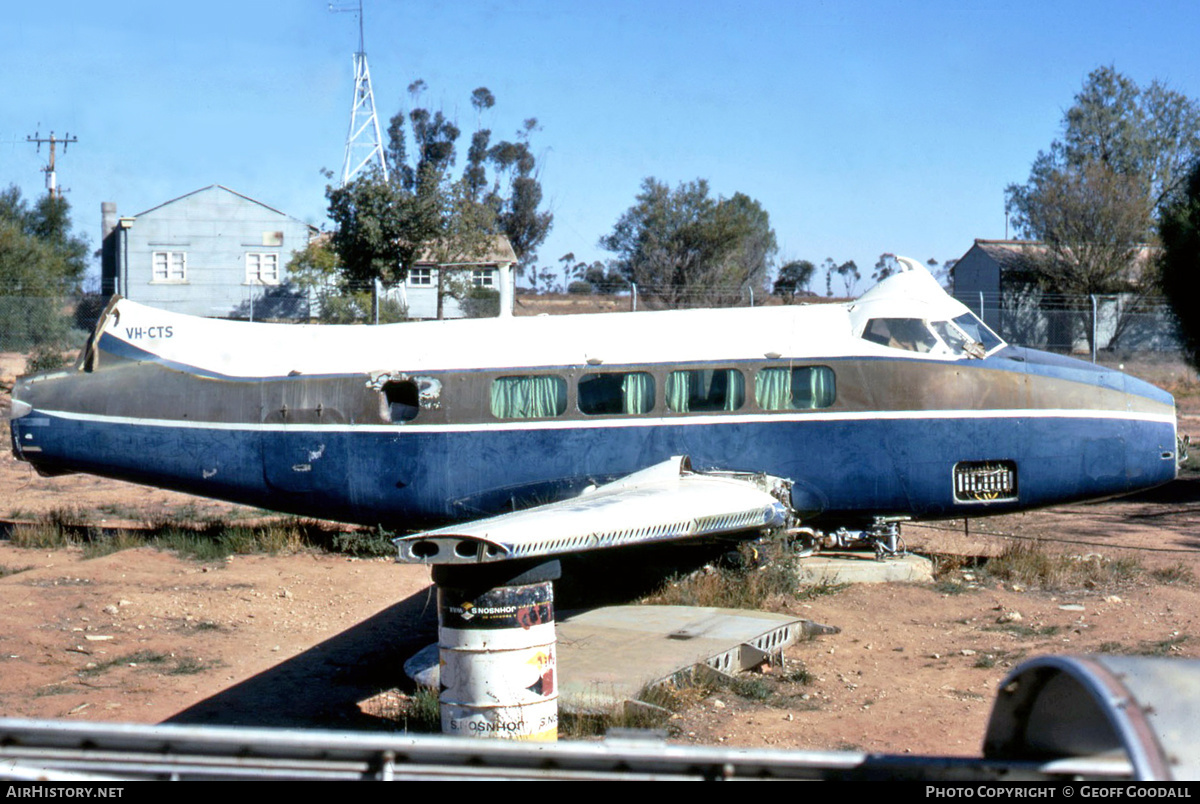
898, 404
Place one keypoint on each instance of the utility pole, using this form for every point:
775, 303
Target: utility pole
51, 176
364, 145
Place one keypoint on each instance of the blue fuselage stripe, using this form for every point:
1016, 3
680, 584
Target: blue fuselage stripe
843, 465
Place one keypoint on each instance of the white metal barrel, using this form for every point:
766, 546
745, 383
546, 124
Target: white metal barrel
498, 667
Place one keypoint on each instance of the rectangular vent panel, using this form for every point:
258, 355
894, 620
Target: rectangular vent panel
985, 481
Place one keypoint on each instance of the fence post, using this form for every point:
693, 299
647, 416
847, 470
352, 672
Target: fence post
633, 298
1094, 333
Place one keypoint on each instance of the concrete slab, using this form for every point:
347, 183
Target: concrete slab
609, 655
863, 568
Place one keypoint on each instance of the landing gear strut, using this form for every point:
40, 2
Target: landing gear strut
883, 537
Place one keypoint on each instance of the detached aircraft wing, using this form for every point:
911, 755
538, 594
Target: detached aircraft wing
665, 502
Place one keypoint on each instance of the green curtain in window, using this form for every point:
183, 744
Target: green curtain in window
735, 389
804, 388
528, 397
701, 385
822, 384
638, 392
679, 391
773, 388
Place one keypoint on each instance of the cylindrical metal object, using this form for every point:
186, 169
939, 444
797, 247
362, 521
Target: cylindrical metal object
1144, 708
498, 669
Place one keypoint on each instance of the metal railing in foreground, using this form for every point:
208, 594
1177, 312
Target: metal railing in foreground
33, 750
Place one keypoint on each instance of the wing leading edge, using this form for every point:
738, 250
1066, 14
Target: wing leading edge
665, 502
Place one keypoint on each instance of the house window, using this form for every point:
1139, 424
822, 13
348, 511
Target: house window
169, 266
262, 268
420, 277
483, 277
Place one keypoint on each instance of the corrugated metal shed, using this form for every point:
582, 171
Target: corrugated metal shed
211, 252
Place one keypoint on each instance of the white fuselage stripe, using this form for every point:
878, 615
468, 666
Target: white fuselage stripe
588, 424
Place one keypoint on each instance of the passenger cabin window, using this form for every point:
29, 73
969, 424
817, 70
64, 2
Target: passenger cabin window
799, 388
701, 390
528, 397
911, 334
616, 394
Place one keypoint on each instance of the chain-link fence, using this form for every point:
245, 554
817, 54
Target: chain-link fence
1079, 324
1069, 324
338, 302
29, 322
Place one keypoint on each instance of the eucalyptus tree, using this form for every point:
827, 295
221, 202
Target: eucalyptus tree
683, 247
1180, 232
1095, 197
424, 211
793, 279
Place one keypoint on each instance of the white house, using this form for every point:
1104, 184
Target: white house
492, 271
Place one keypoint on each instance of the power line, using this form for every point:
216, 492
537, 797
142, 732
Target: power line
1058, 540
51, 175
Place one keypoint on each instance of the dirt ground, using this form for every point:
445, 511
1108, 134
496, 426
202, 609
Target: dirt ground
314, 639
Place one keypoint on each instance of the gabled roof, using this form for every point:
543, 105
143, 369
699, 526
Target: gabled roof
1011, 255
1016, 256
499, 251
223, 188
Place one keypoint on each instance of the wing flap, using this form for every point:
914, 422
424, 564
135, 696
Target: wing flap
665, 502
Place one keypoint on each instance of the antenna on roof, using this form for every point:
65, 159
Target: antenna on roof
364, 145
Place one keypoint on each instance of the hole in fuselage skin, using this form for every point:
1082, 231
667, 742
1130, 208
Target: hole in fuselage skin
466, 550
425, 549
403, 400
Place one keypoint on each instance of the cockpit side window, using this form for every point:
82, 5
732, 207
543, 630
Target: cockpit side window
910, 334
955, 339
979, 331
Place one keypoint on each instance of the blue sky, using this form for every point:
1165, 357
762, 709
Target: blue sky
861, 127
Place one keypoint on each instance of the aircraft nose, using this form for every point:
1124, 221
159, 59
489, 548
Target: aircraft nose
1130, 442
1155, 454
19, 423
19, 408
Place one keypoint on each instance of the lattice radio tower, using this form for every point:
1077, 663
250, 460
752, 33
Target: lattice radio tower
364, 145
